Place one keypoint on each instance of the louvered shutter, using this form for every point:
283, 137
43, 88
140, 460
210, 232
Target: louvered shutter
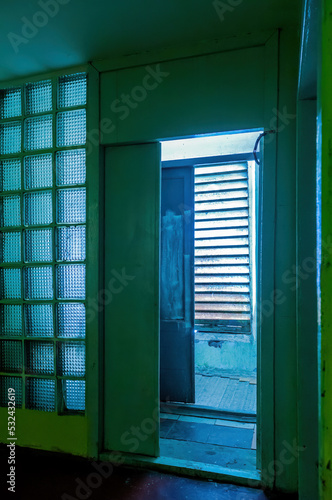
222, 250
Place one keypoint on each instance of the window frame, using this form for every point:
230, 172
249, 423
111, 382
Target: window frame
83, 428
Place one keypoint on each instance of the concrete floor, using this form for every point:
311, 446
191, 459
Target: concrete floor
48, 476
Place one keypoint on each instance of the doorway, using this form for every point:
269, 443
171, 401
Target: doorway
208, 356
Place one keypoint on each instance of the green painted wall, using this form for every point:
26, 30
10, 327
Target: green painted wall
48, 431
205, 94
325, 163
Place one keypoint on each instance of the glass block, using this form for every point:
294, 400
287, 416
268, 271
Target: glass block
70, 167
38, 97
38, 283
10, 138
10, 247
70, 282
10, 356
71, 359
10, 211
71, 128
10, 283
39, 358
38, 208
10, 175
72, 90
71, 243
38, 133
10, 103
11, 383
10, 320
71, 320
38, 320
38, 171
71, 206
73, 392
38, 245
40, 394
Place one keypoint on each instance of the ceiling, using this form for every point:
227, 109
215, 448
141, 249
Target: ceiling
86, 30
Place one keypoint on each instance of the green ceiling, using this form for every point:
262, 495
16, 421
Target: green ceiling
84, 30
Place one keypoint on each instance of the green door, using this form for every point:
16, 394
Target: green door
131, 299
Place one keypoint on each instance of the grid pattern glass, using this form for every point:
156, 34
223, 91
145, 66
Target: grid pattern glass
38, 133
11, 383
43, 243
10, 211
38, 208
72, 90
10, 138
71, 128
10, 174
38, 320
71, 243
70, 167
38, 97
11, 356
10, 320
71, 206
10, 103
38, 245
38, 171
38, 283
39, 358
74, 394
40, 394
71, 358
70, 282
10, 247
71, 321
10, 283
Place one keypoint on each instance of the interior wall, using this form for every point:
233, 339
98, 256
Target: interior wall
173, 99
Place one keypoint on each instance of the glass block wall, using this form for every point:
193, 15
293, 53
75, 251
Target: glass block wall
42, 243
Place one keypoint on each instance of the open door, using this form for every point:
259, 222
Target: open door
177, 361
131, 299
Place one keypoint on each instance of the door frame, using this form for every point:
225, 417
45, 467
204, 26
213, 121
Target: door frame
266, 271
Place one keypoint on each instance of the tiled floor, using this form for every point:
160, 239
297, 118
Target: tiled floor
225, 393
206, 430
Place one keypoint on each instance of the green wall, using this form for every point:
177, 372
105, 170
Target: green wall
325, 169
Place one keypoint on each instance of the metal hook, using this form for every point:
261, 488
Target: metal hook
258, 141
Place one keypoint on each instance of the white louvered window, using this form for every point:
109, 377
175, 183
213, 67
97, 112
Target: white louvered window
224, 260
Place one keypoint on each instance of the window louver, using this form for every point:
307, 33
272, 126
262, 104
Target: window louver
222, 255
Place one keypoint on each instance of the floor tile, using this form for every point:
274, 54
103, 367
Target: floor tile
165, 426
230, 436
190, 431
